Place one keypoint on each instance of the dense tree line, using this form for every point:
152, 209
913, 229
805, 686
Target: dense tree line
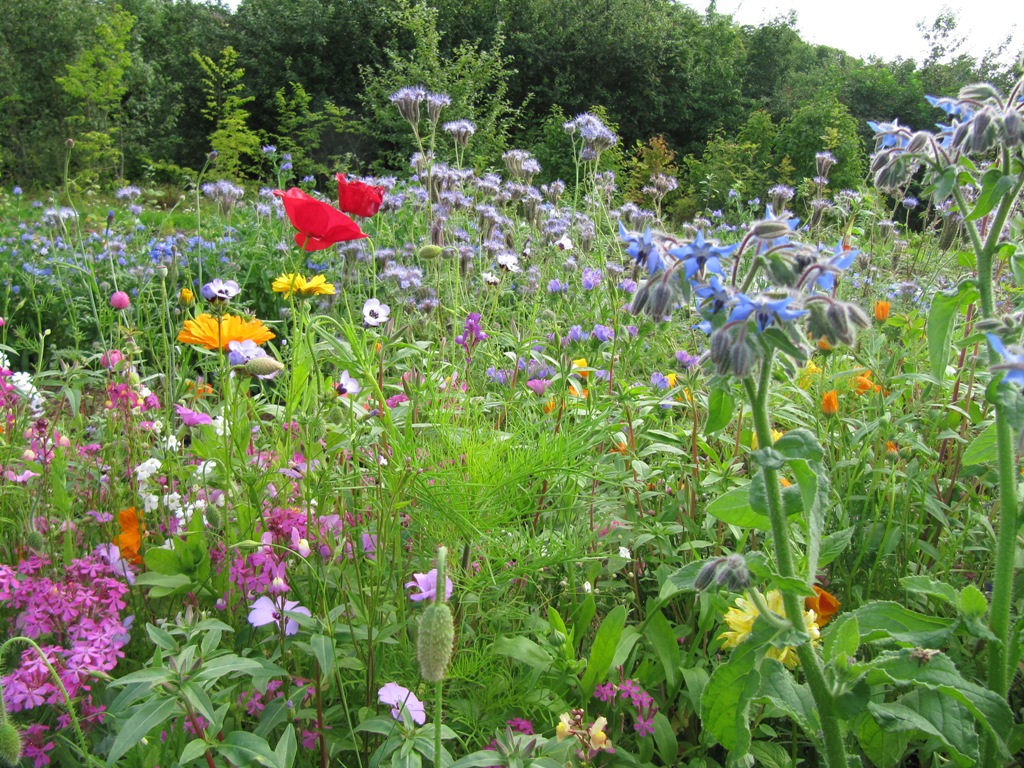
147, 88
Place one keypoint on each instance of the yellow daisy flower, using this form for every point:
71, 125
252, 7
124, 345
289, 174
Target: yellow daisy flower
744, 613
289, 283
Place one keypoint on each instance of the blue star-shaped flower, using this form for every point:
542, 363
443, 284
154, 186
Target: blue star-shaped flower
642, 249
769, 215
953, 107
765, 311
702, 256
841, 260
1013, 362
889, 134
717, 296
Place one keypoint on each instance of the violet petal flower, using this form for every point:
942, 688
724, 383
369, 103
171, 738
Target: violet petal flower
399, 698
267, 611
427, 584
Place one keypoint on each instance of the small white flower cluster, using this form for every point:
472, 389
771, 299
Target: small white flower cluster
22, 383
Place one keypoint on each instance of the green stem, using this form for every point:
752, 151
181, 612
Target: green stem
834, 748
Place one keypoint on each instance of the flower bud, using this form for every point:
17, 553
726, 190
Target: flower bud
640, 298
836, 314
706, 574
263, 366
1012, 133
741, 359
34, 540
918, 142
978, 92
434, 645
661, 300
770, 229
10, 744
721, 343
857, 316
213, 517
429, 252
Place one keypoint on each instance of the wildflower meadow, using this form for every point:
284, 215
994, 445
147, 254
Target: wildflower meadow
475, 466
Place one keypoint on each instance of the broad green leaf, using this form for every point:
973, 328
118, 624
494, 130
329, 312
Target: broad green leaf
243, 748
936, 715
286, 748
926, 585
971, 602
779, 686
809, 478
994, 184
770, 754
800, 444
834, 545
162, 560
193, 751
665, 739
936, 671
891, 621
884, 750
162, 585
146, 718
323, 649
945, 307
842, 642
525, 650
982, 449
734, 508
603, 651
725, 703
680, 581
721, 406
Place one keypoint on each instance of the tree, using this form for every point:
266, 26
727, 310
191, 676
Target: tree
235, 143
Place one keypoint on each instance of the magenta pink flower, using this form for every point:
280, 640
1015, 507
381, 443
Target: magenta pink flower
539, 386
192, 418
267, 611
120, 300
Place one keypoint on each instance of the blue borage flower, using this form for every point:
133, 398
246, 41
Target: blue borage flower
769, 215
952, 107
764, 310
889, 134
702, 256
1013, 362
841, 260
642, 249
716, 295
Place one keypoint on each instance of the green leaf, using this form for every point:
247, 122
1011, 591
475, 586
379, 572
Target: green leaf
162, 560
286, 748
770, 754
834, 545
734, 508
937, 672
779, 687
800, 444
323, 649
725, 703
934, 714
982, 449
162, 585
926, 585
994, 184
660, 634
945, 307
665, 739
525, 650
721, 406
147, 717
841, 644
813, 491
971, 602
603, 650
891, 621
243, 748
193, 751
884, 750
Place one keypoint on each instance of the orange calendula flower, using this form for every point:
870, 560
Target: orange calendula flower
823, 604
216, 333
784, 482
549, 406
289, 283
891, 448
186, 296
580, 364
830, 403
882, 311
577, 391
824, 345
129, 541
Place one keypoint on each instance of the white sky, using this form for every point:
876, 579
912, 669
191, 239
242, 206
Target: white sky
884, 28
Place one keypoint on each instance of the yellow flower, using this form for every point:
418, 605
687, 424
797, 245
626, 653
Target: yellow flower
671, 379
598, 738
186, 296
564, 727
806, 376
207, 332
776, 434
289, 283
741, 618
580, 363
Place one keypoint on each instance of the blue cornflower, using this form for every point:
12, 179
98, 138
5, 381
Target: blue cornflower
702, 256
764, 310
642, 249
840, 260
1013, 362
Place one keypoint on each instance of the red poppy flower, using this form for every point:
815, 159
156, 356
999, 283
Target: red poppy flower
358, 198
320, 224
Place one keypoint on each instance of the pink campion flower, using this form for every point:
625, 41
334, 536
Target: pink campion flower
399, 699
120, 300
539, 386
427, 584
192, 418
267, 611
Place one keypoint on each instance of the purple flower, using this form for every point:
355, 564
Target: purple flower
267, 611
220, 290
603, 333
605, 692
375, 313
402, 700
628, 286
241, 352
346, 385
539, 386
120, 300
659, 381
576, 333
644, 727
685, 359
520, 725
557, 286
192, 418
427, 584
592, 278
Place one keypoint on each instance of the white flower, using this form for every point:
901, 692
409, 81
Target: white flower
219, 426
22, 383
173, 501
624, 553
564, 243
150, 502
508, 261
490, 278
588, 587
375, 313
147, 469
171, 443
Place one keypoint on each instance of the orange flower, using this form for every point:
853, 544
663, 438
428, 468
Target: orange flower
577, 392
580, 363
784, 482
199, 390
823, 604
891, 448
830, 403
207, 332
864, 383
824, 345
130, 539
882, 311
549, 406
